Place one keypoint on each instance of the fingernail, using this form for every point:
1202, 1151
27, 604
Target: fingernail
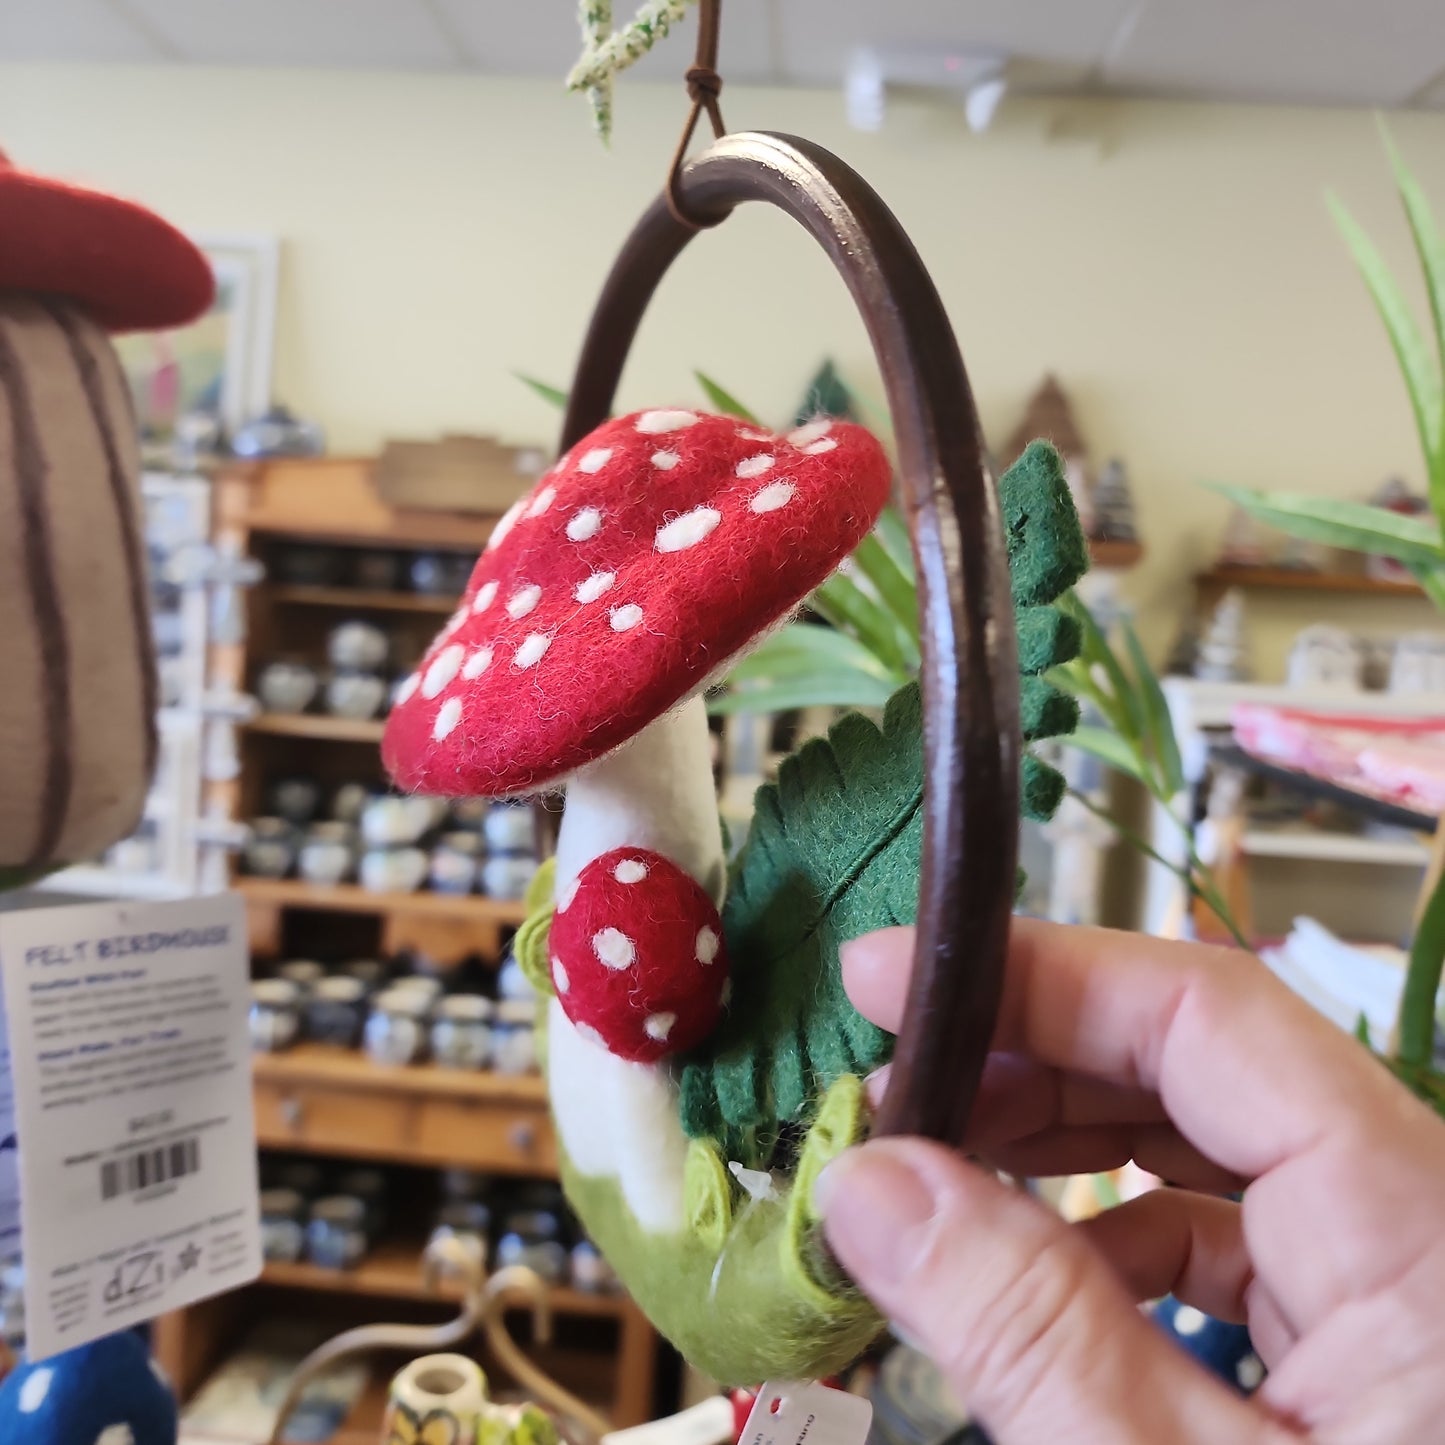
874, 1204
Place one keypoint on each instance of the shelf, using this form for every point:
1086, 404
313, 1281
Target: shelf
363, 600
316, 725
350, 898
1114, 556
1321, 847
392, 1270
1289, 579
324, 1066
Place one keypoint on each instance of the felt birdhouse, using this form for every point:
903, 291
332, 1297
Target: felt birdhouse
703, 1061
78, 709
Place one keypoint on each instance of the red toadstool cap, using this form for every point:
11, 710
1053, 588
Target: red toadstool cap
651, 554
128, 268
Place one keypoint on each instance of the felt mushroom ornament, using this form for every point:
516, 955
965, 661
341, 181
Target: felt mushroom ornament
608, 599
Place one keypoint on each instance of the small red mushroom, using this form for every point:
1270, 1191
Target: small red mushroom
638, 961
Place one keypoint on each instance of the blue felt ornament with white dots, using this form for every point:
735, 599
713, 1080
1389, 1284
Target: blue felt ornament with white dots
1222, 1348
105, 1393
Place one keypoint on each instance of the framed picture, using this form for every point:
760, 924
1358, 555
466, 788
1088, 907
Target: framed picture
193, 385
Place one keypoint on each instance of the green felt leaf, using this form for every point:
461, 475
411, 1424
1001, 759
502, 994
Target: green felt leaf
724, 401
1355, 525
834, 852
551, 394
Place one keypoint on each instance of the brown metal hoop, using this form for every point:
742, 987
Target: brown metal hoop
970, 673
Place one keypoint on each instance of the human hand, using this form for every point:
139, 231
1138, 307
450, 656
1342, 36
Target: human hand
1199, 1065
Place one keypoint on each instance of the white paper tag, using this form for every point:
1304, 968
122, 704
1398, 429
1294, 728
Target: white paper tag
707, 1423
9, 1157
131, 1071
792, 1412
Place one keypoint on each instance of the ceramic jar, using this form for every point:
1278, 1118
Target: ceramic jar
514, 1037
422, 986
441, 573
296, 800
357, 647
396, 1031
470, 1222
283, 1228
336, 1235
512, 982
270, 847
305, 1176
275, 1015
590, 1271
393, 870
370, 973
509, 828
302, 973
508, 876
336, 1012
369, 1186
454, 863
532, 1238
461, 1032
441, 1397
326, 856
389, 821
287, 687
12, 1305
348, 802
356, 696
303, 564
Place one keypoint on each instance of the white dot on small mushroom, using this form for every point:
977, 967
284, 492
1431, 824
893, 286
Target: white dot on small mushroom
707, 944
533, 648
625, 618
655, 423
630, 870
449, 715
443, 668
665, 461
816, 449
35, 1389
801, 436
477, 664
565, 894
584, 524
771, 497
595, 460
754, 466
614, 948
589, 589
120, 1434
542, 501
522, 601
408, 689
486, 595
752, 434
559, 976
1188, 1320
658, 1026
454, 621
687, 530
509, 520
592, 1035
1249, 1372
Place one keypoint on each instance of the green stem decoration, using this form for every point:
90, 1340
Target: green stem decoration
1422, 983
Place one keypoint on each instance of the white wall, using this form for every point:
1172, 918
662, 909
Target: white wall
1174, 263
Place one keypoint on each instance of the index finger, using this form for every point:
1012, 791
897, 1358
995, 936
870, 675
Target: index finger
1249, 1073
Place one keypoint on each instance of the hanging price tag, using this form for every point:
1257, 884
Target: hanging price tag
791, 1413
130, 1068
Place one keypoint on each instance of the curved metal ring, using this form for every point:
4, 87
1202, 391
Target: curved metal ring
970, 674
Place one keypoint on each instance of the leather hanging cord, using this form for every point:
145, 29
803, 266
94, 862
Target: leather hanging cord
704, 86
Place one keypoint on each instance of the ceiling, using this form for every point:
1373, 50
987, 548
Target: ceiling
1334, 52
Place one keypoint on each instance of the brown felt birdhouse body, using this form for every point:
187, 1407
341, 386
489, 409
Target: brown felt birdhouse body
77, 665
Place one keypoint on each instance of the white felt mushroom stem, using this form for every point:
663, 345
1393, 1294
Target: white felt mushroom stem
655, 791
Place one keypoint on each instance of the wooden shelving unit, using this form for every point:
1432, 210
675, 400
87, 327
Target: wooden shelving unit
338, 1103
1290, 579
1114, 556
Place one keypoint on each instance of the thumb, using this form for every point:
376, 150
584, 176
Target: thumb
1029, 1325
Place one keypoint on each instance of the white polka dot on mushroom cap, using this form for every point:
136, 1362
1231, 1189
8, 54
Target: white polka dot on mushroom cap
477, 664
707, 944
522, 601
816, 449
630, 870
35, 1389
658, 1026
508, 521
752, 434
593, 461
771, 497
624, 619
1188, 1320
560, 978
532, 649
687, 530
455, 621
407, 690
120, 1434
754, 466
565, 894
614, 948
583, 525
1249, 1372
443, 668
486, 595
448, 716
589, 589
542, 501
665, 461
655, 423
810, 432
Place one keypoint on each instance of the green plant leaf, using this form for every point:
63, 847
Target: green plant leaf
1122, 707
806, 644
1432, 579
1419, 364
1162, 742
842, 602
1110, 749
552, 394
816, 688
834, 852
724, 401
895, 590
892, 532
1422, 982
1354, 525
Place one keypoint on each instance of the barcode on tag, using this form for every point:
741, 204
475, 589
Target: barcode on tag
133, 1173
